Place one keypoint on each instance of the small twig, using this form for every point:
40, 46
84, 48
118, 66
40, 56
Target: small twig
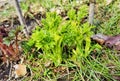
66, 74
7, 62
12, 22
10, 72
31, 74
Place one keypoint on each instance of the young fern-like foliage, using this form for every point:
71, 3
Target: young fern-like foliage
62, 40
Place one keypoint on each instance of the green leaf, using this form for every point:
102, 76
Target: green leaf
71, 14
83, 12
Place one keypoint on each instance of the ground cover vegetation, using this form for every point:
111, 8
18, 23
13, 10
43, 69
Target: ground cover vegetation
60, 47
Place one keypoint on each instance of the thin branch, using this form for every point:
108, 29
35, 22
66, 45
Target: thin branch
21, 18
91, 11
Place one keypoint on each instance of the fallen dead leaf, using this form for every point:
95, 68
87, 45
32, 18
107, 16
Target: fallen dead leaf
20, 70
108, 2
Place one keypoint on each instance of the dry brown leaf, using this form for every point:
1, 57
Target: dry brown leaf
48, 63
20, 70
108, 2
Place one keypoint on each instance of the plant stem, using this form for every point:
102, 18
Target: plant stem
91, 11
21, 18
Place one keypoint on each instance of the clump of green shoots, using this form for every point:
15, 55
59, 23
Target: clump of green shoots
57, 34
60, 42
